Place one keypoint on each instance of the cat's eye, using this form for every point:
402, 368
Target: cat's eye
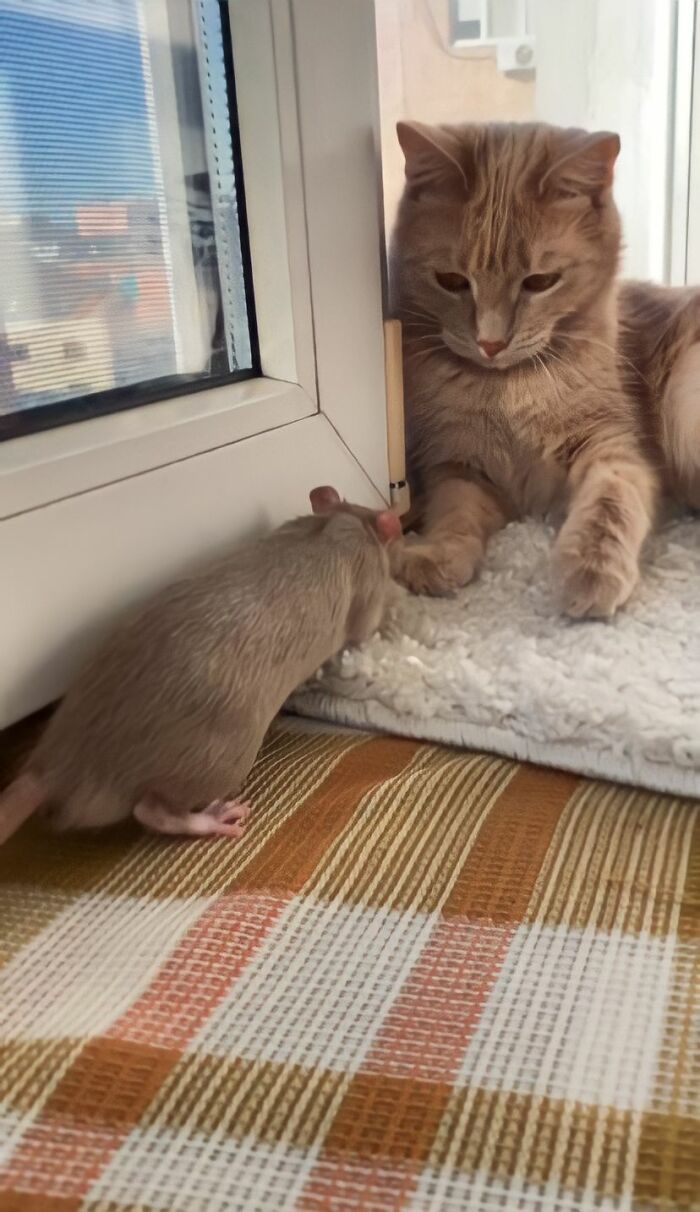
455, 283
537, 283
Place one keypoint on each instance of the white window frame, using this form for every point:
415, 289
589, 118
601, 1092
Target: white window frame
682, 221
692, 249
514, 51
94, 514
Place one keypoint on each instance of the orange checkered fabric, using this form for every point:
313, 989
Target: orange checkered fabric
426, 979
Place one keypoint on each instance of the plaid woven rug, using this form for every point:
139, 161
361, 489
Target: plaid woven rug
427, 979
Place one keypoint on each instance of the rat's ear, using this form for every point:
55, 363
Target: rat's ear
433, 156
323, 499
387, 526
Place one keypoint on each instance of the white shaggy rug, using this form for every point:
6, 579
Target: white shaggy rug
498, 668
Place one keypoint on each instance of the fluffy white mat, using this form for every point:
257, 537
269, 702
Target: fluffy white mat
498, 668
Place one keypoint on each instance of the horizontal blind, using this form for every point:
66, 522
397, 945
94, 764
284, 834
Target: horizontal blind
112, 277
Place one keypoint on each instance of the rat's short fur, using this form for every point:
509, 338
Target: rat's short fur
170, 714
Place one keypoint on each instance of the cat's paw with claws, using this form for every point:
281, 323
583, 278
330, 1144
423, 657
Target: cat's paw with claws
593, 585
435, 569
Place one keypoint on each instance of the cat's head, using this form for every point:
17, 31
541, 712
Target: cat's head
507, 236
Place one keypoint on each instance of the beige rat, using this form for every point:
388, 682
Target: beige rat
167, 719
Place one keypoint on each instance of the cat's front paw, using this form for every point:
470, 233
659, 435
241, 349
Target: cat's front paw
436, 569
593, 584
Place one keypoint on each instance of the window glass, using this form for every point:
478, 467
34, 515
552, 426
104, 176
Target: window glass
597, 64
125, 273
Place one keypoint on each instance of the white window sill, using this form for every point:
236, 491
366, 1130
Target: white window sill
45, 467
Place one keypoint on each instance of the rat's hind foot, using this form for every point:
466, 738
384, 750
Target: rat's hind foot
222, 818
226, 817
18, 802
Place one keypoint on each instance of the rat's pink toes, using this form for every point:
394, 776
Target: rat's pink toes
229, 810
222, 818
221, 829
225, 818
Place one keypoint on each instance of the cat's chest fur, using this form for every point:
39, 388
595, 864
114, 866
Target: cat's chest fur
512, 429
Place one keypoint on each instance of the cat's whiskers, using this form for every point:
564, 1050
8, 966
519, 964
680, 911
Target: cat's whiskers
584, 338
543, 365
416, 353
530, 349
567, 366
422, 315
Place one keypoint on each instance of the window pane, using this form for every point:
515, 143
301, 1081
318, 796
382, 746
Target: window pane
121, 232
693, 251
468, 19
598, 64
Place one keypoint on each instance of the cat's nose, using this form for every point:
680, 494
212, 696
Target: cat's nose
491, 348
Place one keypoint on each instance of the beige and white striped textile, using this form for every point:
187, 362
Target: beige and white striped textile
426, 979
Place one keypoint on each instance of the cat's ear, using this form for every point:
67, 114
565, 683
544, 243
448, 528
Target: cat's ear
433, 156
582, 165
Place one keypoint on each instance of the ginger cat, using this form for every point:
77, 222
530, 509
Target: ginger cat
534, 381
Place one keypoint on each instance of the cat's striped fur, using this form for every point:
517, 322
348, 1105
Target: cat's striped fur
588, 399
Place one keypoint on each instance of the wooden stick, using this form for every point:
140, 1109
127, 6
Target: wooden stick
395, 427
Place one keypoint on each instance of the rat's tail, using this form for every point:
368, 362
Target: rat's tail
18, 802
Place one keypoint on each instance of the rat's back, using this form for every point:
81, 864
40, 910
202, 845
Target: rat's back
180, 696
